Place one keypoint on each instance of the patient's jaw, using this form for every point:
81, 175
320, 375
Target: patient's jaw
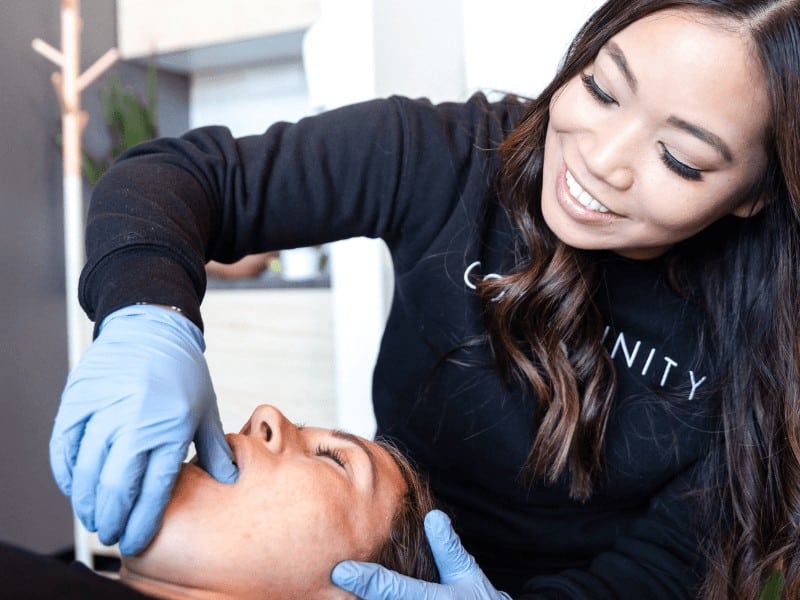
306, 498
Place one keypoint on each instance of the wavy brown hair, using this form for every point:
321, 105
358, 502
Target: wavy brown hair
546, 331
406, 550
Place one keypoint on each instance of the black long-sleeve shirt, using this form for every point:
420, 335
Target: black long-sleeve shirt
422, 178
28, 576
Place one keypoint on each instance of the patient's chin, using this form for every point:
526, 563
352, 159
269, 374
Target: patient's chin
190, 471
192, 497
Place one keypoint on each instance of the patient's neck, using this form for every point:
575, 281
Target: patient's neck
166, 590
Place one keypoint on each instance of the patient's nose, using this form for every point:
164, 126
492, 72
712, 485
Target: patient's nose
270, 424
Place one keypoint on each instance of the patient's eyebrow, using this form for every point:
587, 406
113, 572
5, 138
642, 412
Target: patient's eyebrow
354, 439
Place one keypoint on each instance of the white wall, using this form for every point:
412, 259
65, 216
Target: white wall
443, 50
339, 54
419, 48
248, 99
516, 45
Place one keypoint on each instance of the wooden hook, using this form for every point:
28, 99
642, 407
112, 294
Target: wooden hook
48, 52
100, 66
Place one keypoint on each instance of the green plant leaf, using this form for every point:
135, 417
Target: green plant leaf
152, 91
132, 122
93, 169
129, 121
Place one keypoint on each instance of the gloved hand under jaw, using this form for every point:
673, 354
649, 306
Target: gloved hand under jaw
459, 575
139, 395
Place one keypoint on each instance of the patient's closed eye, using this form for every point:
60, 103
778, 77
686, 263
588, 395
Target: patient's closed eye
332, 453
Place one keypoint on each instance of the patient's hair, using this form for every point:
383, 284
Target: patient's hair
406, 549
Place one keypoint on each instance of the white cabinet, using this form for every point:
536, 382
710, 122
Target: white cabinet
271, 346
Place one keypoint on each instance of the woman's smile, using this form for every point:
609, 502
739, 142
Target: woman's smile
581, 195
578, 203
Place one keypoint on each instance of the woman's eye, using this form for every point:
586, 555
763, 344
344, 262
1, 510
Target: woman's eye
595, 90
331, 453
679, 168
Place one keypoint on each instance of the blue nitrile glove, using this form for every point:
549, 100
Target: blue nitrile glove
140, 394
459, 574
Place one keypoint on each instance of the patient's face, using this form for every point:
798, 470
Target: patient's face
305, 499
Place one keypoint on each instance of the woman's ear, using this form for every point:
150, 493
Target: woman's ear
749, 208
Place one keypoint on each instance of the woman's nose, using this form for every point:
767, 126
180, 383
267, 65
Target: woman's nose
609, 153
270, 424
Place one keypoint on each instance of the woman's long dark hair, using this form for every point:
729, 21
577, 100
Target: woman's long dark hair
547, 333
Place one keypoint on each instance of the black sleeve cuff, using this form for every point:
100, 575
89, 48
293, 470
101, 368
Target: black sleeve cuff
132, 277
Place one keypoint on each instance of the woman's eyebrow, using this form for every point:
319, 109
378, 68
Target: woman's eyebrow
704, 135
618, 56
353, 439
713, 140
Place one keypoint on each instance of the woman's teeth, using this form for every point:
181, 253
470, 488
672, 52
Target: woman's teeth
583, 196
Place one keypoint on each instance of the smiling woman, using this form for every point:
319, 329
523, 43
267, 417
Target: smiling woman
306, 498
630, 165
668, 136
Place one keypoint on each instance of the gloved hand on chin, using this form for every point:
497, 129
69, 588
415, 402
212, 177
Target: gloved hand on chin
140, 394
460, 577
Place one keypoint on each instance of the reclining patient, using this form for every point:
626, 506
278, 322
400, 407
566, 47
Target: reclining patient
306, 499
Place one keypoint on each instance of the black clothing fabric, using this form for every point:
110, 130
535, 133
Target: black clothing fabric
422, 178
29, 576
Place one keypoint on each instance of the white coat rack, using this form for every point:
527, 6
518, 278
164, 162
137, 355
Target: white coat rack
69, 83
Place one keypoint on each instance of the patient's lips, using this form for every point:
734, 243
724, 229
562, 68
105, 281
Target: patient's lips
228, 437
236, 448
